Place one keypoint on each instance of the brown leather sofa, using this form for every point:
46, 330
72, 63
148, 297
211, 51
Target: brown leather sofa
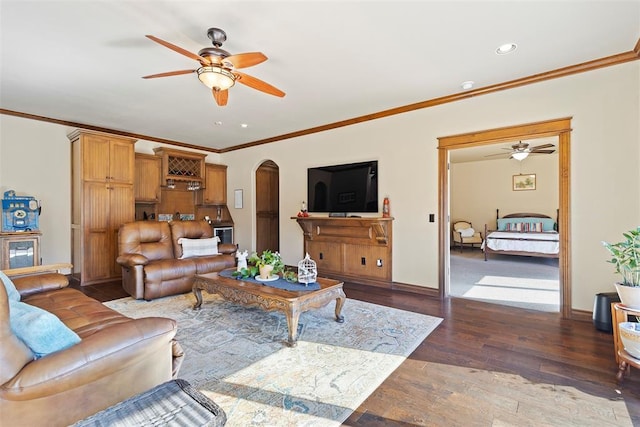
150, 254
117, 357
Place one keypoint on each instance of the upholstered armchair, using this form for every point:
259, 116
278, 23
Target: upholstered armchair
464, 234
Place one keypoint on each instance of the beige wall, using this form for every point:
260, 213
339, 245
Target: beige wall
35, 160
604, 104
479, 188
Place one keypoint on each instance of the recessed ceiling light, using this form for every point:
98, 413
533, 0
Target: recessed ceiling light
506, 48
467, 85
244, 125
218, 123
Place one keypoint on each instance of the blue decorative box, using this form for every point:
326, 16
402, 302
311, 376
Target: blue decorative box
19, 213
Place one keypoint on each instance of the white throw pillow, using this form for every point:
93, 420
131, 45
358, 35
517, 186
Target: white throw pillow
467, 232
199, 247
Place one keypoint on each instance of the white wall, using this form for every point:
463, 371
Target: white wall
605, 148
605, 176
479, 188
36, 161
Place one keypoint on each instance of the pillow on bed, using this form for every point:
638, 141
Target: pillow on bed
548, 224
525, 227
199, 247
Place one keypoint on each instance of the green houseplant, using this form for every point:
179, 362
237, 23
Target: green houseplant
269, 263
625, 255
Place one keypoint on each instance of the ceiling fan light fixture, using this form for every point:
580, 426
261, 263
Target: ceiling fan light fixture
520, 155
216, 77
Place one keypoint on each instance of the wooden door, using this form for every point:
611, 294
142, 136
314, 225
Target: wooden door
96, 232
267, 207
121, 161
95, 158
215, 191
121, 211
147, 183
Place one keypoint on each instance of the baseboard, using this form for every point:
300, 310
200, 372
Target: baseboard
581, 315
435, 293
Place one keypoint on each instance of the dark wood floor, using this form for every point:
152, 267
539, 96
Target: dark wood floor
488, 364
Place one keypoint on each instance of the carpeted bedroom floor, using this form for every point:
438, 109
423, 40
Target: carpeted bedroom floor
518, 281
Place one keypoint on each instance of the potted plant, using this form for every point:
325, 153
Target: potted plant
269, 263
626, 258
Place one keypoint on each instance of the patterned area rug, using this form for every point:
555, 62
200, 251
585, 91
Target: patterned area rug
237, 356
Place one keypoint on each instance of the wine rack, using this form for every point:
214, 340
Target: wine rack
181, 165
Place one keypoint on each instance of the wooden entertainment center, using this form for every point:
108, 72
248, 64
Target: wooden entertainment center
351, 249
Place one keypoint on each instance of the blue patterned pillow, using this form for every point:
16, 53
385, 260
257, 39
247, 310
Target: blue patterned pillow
12, 292
509, 224
40, 330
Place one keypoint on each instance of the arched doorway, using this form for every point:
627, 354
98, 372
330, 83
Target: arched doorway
560, 128
267, 207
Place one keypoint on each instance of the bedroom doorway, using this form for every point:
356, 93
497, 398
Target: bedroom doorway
480, 181
560, 128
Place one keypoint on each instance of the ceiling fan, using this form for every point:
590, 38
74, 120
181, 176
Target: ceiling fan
218, 68
521, 150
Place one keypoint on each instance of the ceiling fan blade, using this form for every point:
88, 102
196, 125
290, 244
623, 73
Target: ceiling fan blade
543, 146
180, 50
169, 73
258, 84
244, 60
497, 154
543, 151
221, 96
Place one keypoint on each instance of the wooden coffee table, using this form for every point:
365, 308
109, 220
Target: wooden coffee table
268, 298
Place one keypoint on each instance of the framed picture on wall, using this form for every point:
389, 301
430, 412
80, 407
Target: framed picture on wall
524, 182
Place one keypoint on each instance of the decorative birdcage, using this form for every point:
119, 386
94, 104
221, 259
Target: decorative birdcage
307, 271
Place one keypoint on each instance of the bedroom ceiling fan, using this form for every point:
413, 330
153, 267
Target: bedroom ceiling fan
521, 150
218, 68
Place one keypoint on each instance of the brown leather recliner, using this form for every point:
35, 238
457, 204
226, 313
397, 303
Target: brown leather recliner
117, 357
150, 254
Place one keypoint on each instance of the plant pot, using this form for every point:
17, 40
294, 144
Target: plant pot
630, 336
629, 295
265, 271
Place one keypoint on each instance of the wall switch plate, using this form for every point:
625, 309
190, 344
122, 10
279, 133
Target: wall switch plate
432, 218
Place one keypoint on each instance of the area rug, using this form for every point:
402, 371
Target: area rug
237, 356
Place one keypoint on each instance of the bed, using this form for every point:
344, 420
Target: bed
524, 234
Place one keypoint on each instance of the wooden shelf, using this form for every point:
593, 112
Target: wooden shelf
181, 165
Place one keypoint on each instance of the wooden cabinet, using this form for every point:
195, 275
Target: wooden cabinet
327, 255
214, 191
181, 165
20, 249
351, 249
148, 170
103, 175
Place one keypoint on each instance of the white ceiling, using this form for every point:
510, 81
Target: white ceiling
82, 61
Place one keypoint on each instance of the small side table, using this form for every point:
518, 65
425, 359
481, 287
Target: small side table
626, 361
620, 313
19, 249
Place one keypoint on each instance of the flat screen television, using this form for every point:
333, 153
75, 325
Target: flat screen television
346, 188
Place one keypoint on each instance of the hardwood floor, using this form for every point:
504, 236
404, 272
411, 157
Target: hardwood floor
488, 364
